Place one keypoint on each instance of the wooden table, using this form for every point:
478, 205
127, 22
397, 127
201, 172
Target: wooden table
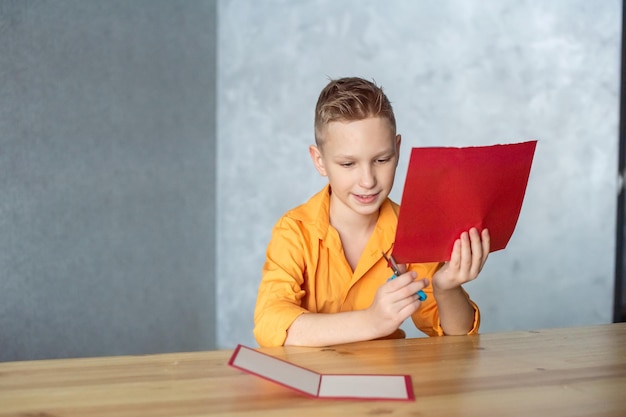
559, 372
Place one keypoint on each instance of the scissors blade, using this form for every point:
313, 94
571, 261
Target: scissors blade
394, 266
392, 263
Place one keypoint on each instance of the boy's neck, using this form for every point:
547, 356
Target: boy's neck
346, 220
354, 231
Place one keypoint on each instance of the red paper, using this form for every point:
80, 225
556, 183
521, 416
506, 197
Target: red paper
450, 190
313, 384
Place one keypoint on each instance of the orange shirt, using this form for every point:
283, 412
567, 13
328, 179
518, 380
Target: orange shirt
306, 271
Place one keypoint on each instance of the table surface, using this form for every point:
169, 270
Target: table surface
569, 372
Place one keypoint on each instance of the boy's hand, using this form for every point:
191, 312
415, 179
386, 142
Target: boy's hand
394, 302
469, 255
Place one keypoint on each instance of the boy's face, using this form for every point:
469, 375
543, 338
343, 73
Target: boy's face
360, 159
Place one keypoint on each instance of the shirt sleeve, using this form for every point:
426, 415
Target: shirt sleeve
280, 294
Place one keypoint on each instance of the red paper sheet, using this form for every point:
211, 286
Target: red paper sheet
450, 190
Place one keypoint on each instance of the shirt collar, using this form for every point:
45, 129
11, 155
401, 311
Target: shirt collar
317, 212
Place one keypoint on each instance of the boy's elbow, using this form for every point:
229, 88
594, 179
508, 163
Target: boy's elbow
267, 335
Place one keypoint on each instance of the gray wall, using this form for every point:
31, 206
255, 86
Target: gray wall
107, 177
459, 73
111, 217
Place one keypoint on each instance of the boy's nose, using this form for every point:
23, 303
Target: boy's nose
368, 178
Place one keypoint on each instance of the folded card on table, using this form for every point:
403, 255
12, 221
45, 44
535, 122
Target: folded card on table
313, 384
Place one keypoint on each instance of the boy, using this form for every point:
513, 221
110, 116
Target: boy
325, 280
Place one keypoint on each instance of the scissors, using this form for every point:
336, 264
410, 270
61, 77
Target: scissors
396, 273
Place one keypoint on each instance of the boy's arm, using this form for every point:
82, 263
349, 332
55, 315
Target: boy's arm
317, 329
456, 314
469, 255
281, 290
393, 303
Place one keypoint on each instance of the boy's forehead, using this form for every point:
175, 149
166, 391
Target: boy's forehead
373, 126
372, 136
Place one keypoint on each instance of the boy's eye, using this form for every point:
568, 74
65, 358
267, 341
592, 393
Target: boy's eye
346, 164
382, 161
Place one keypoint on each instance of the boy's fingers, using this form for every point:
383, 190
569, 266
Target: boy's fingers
402, 281
466, 251
419, 284
455, 257
477, 253
406, 285
486, 241
414, 287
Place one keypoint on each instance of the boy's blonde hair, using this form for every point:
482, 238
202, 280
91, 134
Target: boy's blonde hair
350, 99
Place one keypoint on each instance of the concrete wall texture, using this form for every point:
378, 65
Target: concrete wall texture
459, 73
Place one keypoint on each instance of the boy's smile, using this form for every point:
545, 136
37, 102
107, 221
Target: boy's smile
360, 159
366, 199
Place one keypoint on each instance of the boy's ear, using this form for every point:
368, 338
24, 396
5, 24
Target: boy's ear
398, 141
318, 161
